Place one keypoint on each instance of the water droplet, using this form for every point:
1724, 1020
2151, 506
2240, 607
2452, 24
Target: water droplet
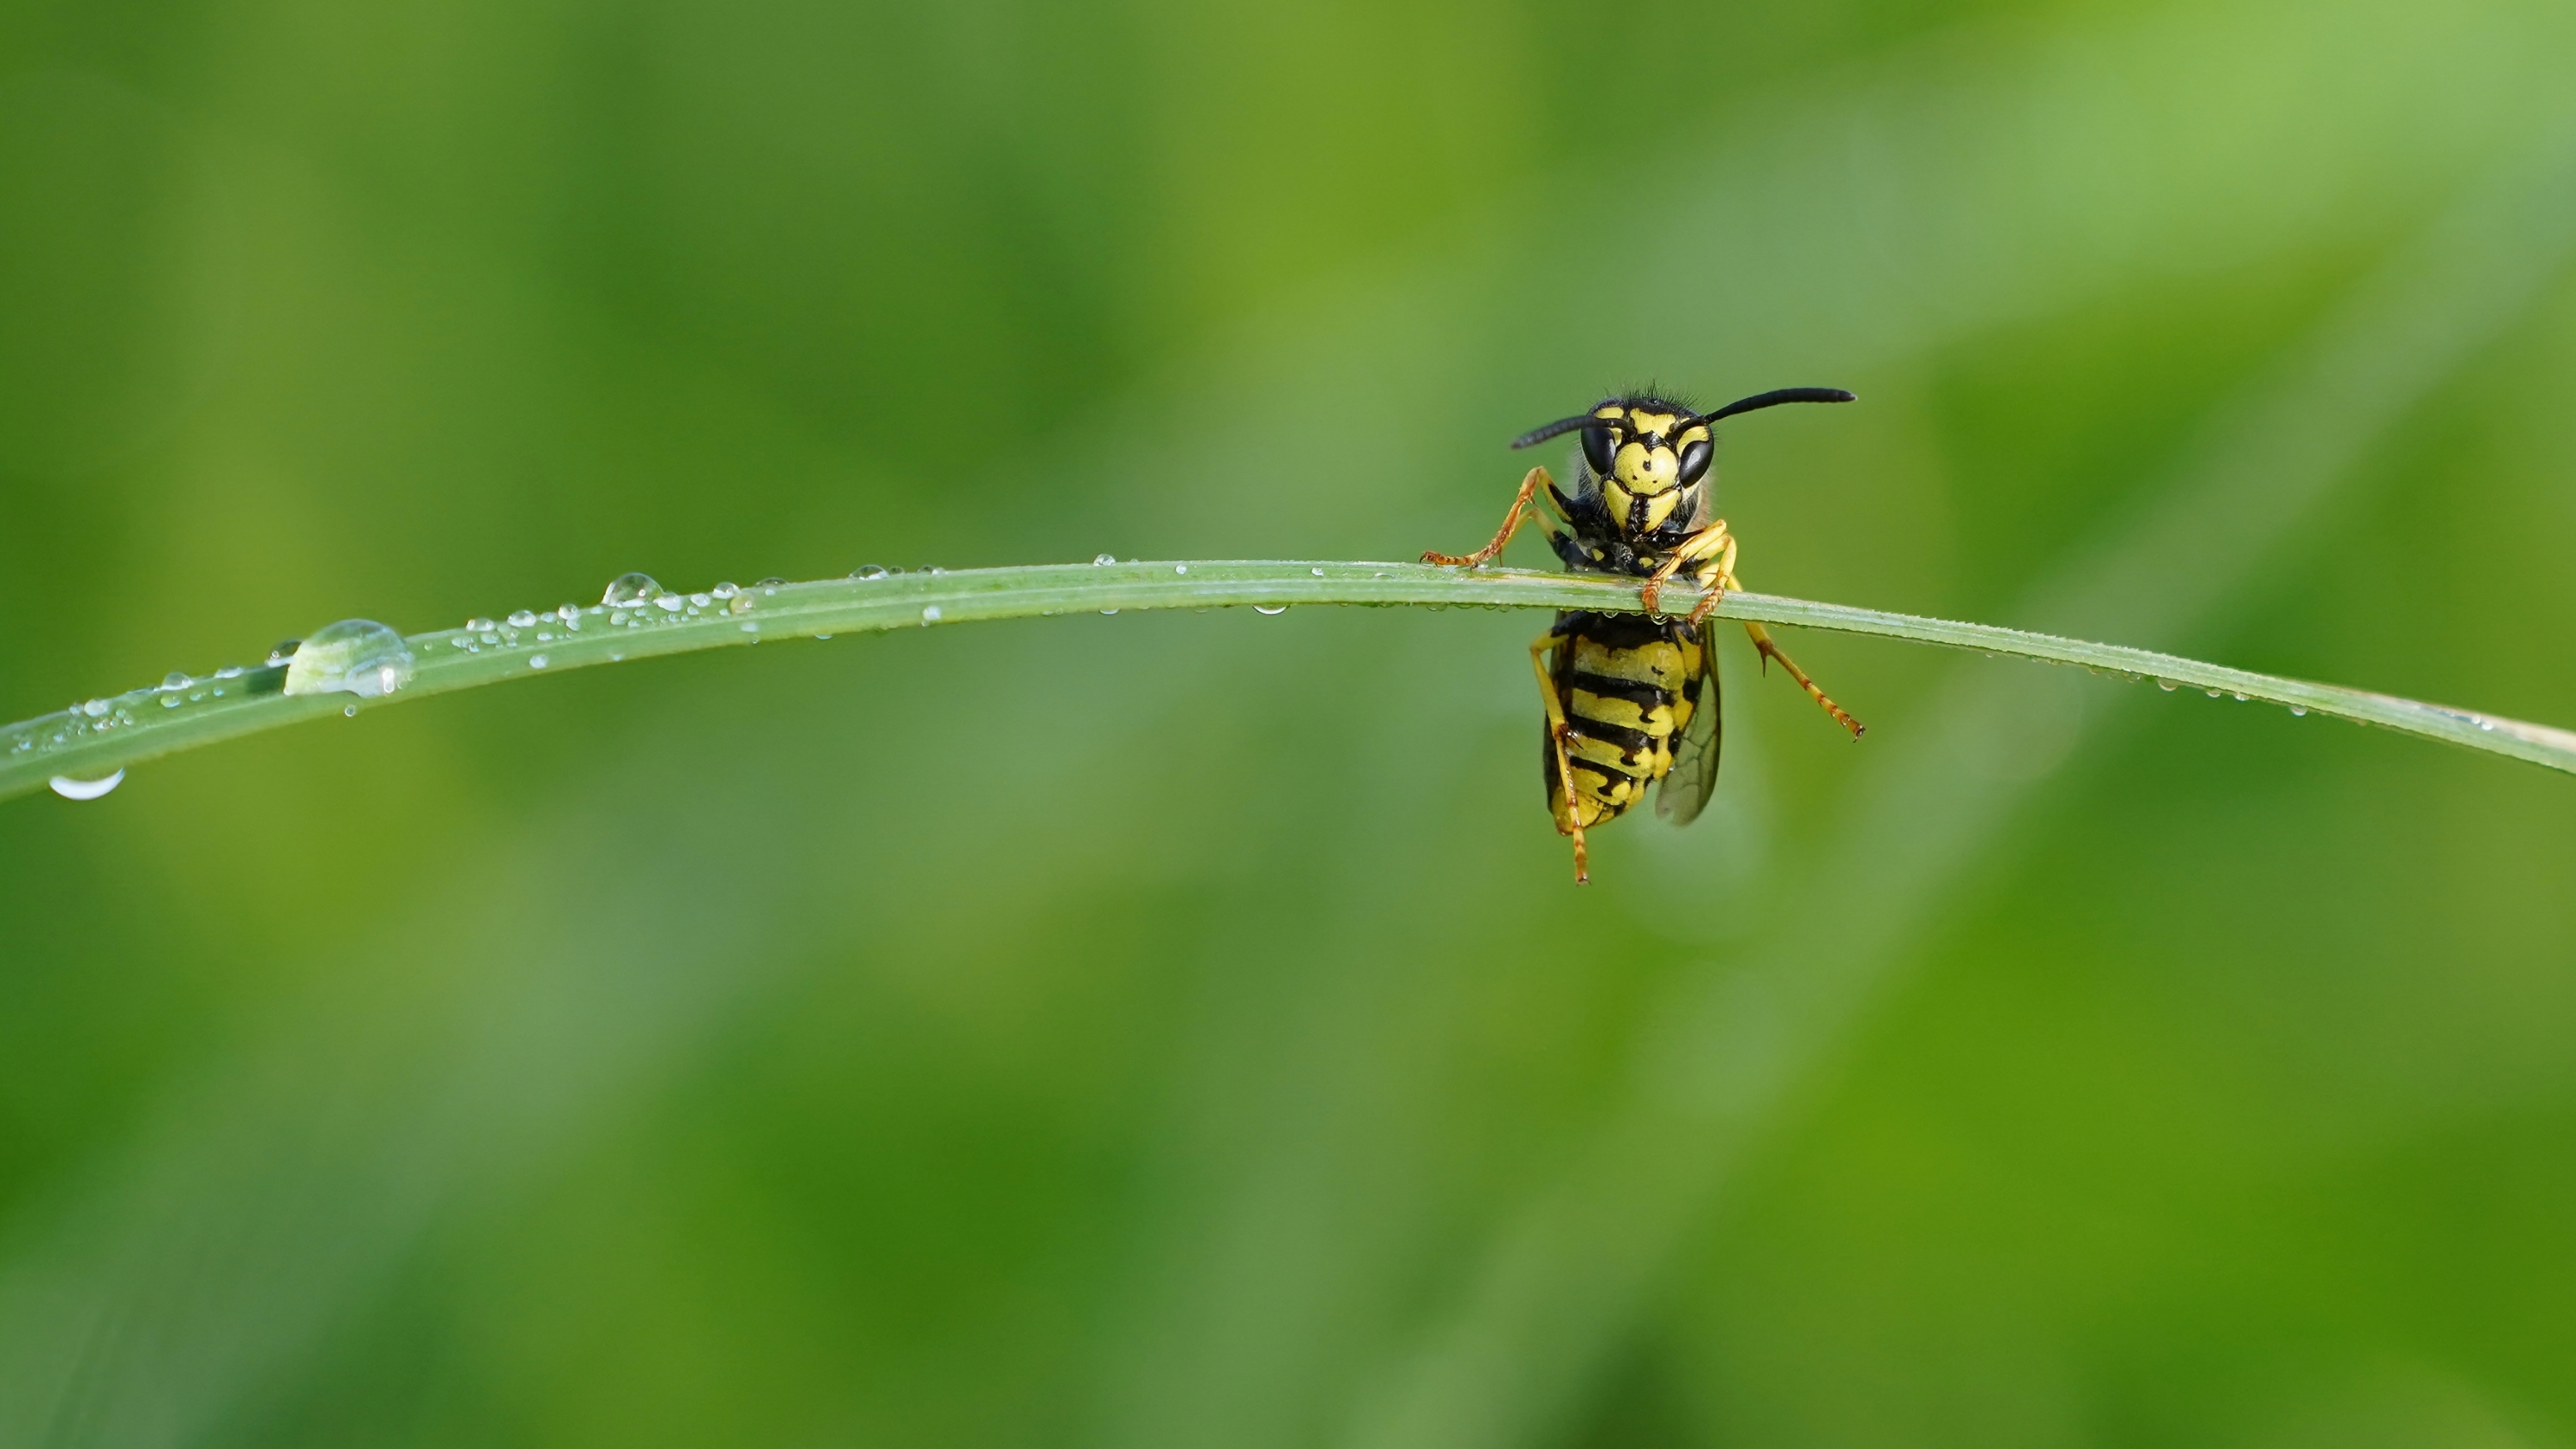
1271, 609
536, 661
616, 656
569, 613
348, 711
353, 656
2167, 685
667, 603
1109, 611
932, 569
229, 671
751, 628
702, 600
628, 588
2299, 709
617, 616
726, 590
480, 625
1319, 573
2486, 724
169, 701
930, 613
523, 618
771, 582
2240, 697
176, 679
870, 572
71, 789
94, 708
740, 603
1104, 560
822, 636
1180, 568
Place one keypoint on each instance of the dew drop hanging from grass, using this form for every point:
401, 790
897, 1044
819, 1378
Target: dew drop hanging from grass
71, 789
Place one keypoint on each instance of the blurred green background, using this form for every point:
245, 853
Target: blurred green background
1181, 1029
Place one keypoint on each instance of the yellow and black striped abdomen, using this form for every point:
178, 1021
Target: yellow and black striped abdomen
1628, 684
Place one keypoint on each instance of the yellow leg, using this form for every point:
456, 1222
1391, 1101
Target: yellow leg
1771, 651
1709, 542
1716, 581
1520, 513
1571, 822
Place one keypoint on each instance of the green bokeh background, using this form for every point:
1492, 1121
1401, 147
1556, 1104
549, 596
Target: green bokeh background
1181, 1029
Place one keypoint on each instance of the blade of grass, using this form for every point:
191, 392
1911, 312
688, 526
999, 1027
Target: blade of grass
101, 736
1736, 1043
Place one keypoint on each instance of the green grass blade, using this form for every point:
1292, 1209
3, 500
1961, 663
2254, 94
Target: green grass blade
102, 736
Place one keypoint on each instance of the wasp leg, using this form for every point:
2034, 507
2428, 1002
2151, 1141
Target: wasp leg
1710, 542
1571, 822
1771, 651
1521, 512
1716, 581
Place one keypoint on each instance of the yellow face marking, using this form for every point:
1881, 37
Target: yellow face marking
1653, 422
1616, 497
1660, 507
1645, 469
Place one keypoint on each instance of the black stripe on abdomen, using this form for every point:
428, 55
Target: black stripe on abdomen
1636, 691
1629, 741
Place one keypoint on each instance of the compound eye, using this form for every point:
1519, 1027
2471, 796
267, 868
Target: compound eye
1597, 450
1695, 456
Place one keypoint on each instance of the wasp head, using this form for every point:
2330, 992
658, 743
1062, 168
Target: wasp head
1647, 445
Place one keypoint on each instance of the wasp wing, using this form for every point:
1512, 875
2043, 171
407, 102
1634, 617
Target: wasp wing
1685, 790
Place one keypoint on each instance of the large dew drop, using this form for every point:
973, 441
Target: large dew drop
627, 588
71, 789
353, 656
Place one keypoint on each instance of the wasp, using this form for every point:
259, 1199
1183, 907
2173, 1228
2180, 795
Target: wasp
1632, 699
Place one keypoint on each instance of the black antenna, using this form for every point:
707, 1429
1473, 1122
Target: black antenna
1561, 425
1775, 397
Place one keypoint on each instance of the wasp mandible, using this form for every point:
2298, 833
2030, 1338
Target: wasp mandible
1624, 692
